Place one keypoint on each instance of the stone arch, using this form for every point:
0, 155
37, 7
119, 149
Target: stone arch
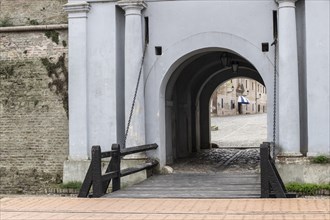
206, 92
158, 75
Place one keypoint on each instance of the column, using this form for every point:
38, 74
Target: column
77, 38
133, 58
289, 126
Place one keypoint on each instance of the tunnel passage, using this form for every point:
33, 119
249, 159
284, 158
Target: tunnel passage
188, 94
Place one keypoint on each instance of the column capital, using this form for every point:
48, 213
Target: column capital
77, 9
132, 5
286, 3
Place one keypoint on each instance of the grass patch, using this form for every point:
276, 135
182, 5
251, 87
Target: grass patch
321, 159
71, 185
307, 188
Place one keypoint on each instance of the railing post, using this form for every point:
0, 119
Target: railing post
97, 172
264, 156
116, 167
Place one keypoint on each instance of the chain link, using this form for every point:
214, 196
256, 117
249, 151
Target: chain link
275, 97
134, 98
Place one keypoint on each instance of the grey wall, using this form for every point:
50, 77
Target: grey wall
317, 73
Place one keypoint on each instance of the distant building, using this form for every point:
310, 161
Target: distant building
224, 100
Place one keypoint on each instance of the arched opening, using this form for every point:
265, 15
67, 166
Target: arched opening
238, 112
187, 96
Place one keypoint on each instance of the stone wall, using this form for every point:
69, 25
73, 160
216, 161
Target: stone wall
33, 109
32, 12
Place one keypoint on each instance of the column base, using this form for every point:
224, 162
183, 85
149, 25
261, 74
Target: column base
289, 154
314, 154
302, 170
76, 171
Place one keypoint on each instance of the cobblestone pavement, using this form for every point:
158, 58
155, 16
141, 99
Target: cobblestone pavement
220, 160
238, 138
155, 209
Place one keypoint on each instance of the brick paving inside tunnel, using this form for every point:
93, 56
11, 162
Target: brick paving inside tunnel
220, 160
237, 138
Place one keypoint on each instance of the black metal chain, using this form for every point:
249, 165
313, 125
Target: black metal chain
275, 96
134, 98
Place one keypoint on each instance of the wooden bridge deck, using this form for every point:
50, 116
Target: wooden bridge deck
194, 185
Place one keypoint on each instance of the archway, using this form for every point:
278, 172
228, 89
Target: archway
178, 56
238, 114
187, 99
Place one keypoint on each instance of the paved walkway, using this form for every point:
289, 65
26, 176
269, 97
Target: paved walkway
239, 130
155, 209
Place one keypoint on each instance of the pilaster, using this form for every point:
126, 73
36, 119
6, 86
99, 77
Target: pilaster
133, 60
289, 121
78, 131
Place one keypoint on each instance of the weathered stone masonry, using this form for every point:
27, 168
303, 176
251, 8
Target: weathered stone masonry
33, 86
32, 12
33, 128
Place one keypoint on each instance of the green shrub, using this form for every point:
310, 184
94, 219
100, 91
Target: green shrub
321, 159
71, 185
307, 188
53, 35
6, 22
33, 22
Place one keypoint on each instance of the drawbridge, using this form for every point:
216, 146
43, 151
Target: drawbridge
194, 185
180, 185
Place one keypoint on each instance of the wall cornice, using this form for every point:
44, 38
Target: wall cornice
132, 4
77, 7
286, 3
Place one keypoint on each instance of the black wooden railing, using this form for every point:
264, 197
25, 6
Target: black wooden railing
271, 182
99, 181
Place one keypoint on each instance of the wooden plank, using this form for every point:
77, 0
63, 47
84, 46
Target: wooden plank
138, 168
137, 149
106, 154
87, 184
109, 176
194, 186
